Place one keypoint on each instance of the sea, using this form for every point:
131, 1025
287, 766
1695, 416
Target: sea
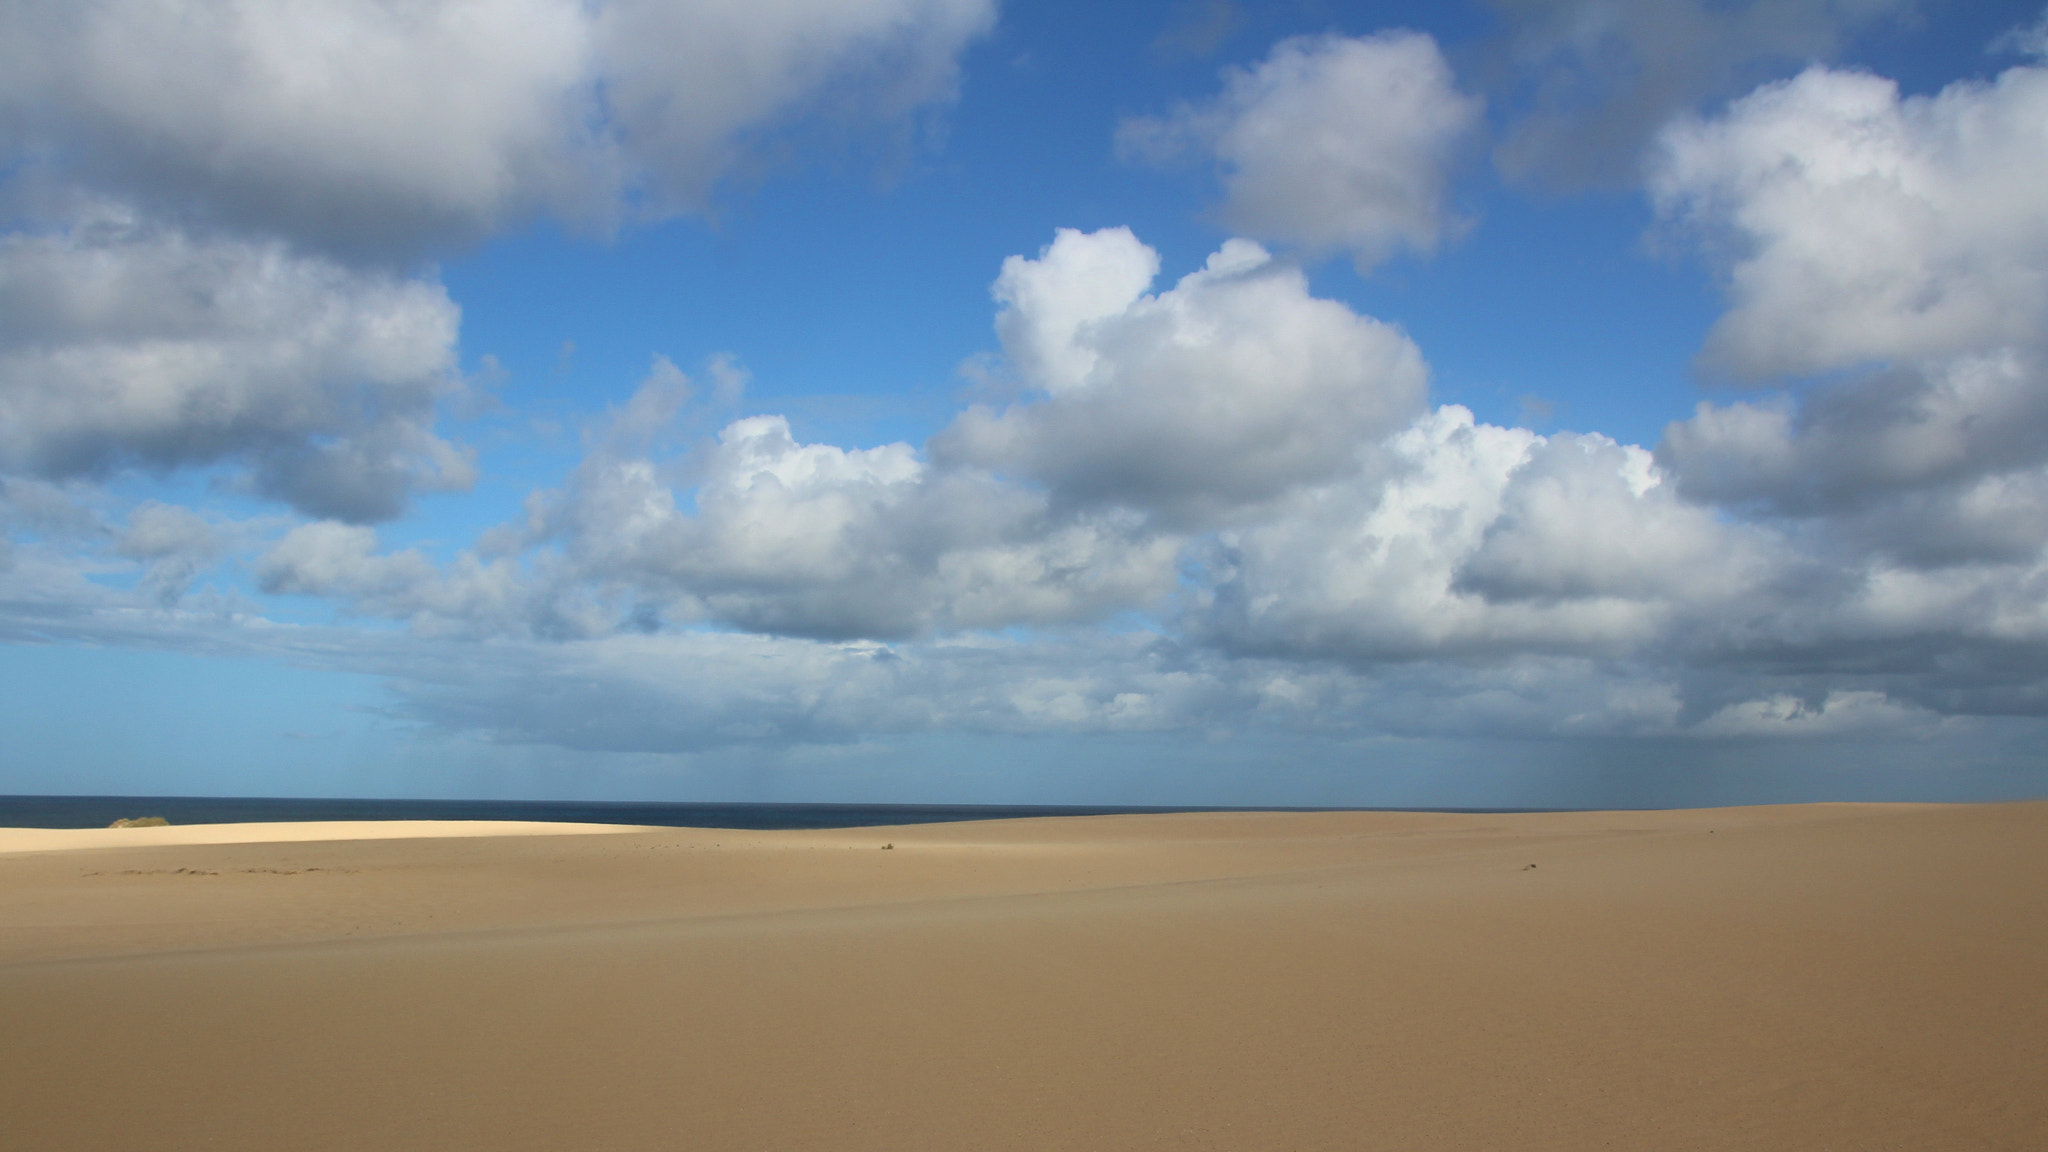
100, 811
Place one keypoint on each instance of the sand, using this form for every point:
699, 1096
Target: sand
14, 840
1809, 977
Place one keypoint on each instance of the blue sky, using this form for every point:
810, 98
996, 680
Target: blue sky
1521, 402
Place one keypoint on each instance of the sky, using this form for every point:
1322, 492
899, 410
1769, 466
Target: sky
1508, 403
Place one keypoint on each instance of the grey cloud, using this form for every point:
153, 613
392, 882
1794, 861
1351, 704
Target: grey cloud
1949, 675
379, 130
356, 126
1331, 143
128, 344
175, 543
471, 597
47, 509
695, 691
1599, 79
367, 477
683, 691
1954, 640
1999, 519
1847, 444
689, 91
325, 557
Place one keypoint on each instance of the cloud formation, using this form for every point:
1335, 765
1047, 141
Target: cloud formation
1894, 242
1215, 504
1222, 392
816, 540
219, 207
372, 129
1861, 226
1482, 542
1253, 470
1330, 143
125, 343
1599, 80
1149, 417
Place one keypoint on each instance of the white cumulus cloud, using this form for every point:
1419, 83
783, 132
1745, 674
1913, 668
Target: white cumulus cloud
1863, 226
1224, 391
1898, 243
1482, 541
814, 539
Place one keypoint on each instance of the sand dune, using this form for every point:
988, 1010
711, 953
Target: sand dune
1830, 976
60, 839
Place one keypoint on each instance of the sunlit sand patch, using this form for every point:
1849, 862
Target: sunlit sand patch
62, 839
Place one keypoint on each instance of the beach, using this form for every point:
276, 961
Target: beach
1799, 977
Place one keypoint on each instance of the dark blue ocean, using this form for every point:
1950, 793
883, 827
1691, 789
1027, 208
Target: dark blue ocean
99, 811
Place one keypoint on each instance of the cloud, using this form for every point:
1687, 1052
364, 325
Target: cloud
661, 395
691, 90
816, 540
1189, 405
1860, 226
1247, 471
689, 692
353, 124
1599, 79
1218, 507
325, 558
1154, 415
1482, 542
1586, 518
176, 543
57, 511
1331, 143
213, 200
130, 344
470, 597
1894, 243
1781, 716
383, 130
1851, 442
2025, 40
754, 530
